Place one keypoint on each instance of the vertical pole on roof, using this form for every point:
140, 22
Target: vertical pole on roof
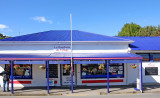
141, 77
71, 55
107, 76
47, 77
11, 76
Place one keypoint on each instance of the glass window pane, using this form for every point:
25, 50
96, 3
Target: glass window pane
156, 57
53, 71
100, 71
21, 71
145, 56
67, 69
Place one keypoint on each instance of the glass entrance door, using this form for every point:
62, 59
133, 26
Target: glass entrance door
66, 74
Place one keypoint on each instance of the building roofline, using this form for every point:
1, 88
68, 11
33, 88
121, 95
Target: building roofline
5, 42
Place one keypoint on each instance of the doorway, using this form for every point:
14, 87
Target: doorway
66, 74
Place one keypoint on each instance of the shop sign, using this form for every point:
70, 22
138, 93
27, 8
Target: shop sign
134, 66
62, 48
151, 65
51, 82
68, 79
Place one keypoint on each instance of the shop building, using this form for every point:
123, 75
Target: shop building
149, 49
44, 59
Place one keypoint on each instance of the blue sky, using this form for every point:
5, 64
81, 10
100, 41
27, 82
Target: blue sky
20, 17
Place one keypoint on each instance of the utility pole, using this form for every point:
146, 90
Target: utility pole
71, 55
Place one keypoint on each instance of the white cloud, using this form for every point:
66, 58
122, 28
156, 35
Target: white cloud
5, 30
42, 19
2, 26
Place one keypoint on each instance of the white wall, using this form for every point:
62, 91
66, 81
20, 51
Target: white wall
2, 66
132, 74
151, 78
50, 48
38, 77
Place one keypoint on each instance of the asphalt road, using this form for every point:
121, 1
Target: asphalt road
144, 95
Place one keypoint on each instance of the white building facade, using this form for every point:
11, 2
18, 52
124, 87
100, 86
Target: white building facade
89, 62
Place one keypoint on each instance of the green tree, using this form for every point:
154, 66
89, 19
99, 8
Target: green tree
3, 36
148, 31
129, 29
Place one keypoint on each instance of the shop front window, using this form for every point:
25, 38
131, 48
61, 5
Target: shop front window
145, 56
67, 69
155, 56
20, 71
100, 71
53, 71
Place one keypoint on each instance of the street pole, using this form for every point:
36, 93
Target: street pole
71, 55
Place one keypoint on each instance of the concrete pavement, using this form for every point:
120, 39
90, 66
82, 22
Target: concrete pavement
79, 91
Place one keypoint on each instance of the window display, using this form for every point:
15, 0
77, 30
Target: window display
53, 71
67, 69
20, 71
100, 71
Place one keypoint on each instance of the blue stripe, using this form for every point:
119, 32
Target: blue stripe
47, 77
59, 62
107, 76
124, 61
29, 62
4, 62
12, 77
89, 62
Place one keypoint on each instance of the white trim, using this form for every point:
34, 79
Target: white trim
145, 51
53, 51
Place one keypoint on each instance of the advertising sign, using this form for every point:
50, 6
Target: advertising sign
62, 48
51, 82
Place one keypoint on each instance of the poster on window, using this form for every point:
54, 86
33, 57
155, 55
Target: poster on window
120, 72
120, 67
51, 82
83, 73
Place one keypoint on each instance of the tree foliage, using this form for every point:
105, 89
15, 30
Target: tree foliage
136, 30
3, 36
129, 29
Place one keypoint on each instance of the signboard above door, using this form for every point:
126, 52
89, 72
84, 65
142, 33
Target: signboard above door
62, 48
